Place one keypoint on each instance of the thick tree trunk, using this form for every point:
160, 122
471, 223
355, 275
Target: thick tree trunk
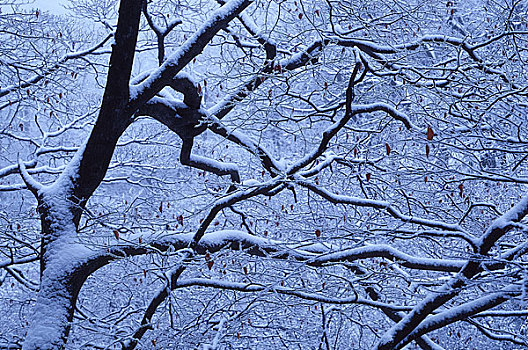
62, 259
53, 313
114, 116
62, 268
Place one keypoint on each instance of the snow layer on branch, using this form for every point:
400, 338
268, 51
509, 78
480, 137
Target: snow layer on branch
250, 23
172, 64
170, 103
212, 163
501, 224
392, 253
218, 239
463, 311
11, 169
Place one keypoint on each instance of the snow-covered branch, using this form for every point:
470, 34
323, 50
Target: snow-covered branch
434, 300
38, 77
381, 205
174, 63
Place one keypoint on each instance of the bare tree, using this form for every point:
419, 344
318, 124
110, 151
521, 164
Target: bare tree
354, 175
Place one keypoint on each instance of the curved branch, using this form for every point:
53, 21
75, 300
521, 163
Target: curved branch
435, 299
333, 129
207, 164
459, 313
254, 287
381, 205
156, 301
500, 337
191, 48
33, 185
312, 254
38, 77
268, 161
177, 116
388, 252
184, 84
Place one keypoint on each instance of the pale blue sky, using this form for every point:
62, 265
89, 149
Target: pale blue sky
53, 6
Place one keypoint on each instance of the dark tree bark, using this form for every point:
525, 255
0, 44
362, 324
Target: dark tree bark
115, 114
65, 263
60, 205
